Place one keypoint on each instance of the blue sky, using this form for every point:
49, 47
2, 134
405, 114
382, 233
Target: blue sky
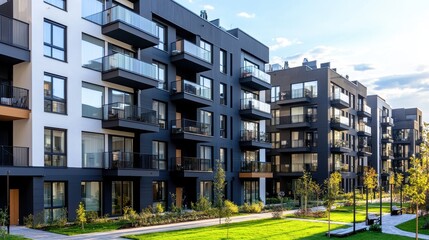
384, 44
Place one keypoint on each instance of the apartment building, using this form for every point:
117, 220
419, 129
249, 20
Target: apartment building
123, 103
319, 124
407, 136
381, 141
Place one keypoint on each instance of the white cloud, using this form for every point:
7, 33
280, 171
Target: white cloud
282, 42
190, 1
246, 15
208, 7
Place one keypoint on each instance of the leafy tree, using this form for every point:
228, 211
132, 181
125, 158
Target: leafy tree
81, 215
219, 188
417, 185
333, 190
305, 186
370, 183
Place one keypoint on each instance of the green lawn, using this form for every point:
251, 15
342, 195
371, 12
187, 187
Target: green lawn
15, 237
261, 229
410, 226
89, 228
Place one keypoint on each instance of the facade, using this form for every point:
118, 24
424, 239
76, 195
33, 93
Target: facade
319, 124
124, 104
407, 136
382, 138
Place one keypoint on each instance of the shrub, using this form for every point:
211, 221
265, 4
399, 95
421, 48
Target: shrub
130, 215
159, 208
375, 228
61, 219
91, 216
230, 207
272, 200
252, 208
310, 214
81, 215
28, 221
203, 204
277, 212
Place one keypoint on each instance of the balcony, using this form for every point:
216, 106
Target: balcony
386, 138
401, 139
254, 140
364, 111
296, 96
340, 123
124, 117
296, 121
387, 154
364, 151
190, 57
126, 71
14, 156
255, 169
191, 94
13, 41
387, 121
185, 129
298, 146
129, 164
340, 146
13, 103
364, 130
126, 26
192, 167
255, 79
254, 109
340, 100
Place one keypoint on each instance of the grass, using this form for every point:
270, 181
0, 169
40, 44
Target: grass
89, 228
261, 229
410, 226
15, 237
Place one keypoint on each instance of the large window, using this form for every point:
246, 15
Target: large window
54, 88
54, 200
162, 35
161, 75
206, 82
55, 148
159, 192
275, 93
92, 100
61, 4
206, 119
122, 196
206, 190
222, 61
121, 97
161, 110
306, 89
92, 52
159, 150
92, 150
54, 40
92, 7
251, 191
91, 195
207, 46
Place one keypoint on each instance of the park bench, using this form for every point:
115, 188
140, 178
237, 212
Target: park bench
372, 219
396, 211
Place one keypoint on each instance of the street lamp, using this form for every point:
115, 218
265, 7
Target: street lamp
8, 201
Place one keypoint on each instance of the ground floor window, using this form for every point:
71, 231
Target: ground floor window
91, 195
54, 200
251, 191
122, 196
206, 190
159, 193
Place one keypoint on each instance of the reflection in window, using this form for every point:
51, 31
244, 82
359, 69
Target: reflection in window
55, 147
92, 52
92, 150
92, 100
206, 190
162, 35
251, 191
54, 88
159, 193
161, 110
61, 4
161, 75
159, 150
54, 200
54, 36
122, 196
91, 195
90, 7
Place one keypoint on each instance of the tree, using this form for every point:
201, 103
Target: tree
219, 188
333, 190
417, 185
81, 215
303, 189
370, 182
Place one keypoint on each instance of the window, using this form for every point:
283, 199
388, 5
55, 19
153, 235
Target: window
275, 140
162, 35
55, 148
54, 88
92, 150
92, 7
122, 196
222, 61
92, 100
54, 40
112, 49
206, 157
250, 156
223, 157
122, 144
92, 52
91, 195
206, 120
206, 190
297, 114
310, 88
54, 200
251, 191
159, 151
207, 83
275, 117
161, 75
61, 4
222, 94
275, 94
207, 46
159, 193
222, 126
161, 110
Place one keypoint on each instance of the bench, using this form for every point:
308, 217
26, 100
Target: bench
396, 211
372, 219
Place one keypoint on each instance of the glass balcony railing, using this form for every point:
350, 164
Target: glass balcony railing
121, 160
386, 136
183, 46
365, 108
364, 128
193, 164
250, 103
250, 135
14, 32
119, 13
255, 72
13, 96
340, 143
297, 93
122, 111
256, 166
340, 119
14, 156
300, 118
387, 153
387, 120
191, 126
282, 168
191, 88
340, 96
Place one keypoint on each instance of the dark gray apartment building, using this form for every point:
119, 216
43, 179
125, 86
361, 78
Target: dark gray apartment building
319, 124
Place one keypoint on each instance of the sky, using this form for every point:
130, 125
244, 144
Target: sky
383, 44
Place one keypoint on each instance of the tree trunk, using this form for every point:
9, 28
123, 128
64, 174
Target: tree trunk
329, 222
417, 221
366, 203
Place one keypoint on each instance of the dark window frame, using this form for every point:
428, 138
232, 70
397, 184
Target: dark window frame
52, 99
52, 206
52, 152
51, 46
161, 121
52, 4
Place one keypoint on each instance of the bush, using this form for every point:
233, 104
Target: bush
91, 216
272, 200
28, 221
159, 208
131, 215
252, 208
375, 228
230, 207
202, 205
62, 218
277, 212
310, 214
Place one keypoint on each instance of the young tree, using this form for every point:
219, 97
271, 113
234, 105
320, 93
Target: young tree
333, 190
370, 182
81, 215
417, 184
305, 187
219, 188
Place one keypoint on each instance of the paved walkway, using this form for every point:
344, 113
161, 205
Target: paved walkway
388, 226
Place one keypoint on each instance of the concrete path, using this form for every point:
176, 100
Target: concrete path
388, 226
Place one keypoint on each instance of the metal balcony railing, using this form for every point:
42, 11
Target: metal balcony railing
13, 96
122, 111
250, 103
256, 166
191, 88
193, 164
14, 32
190, 126
301, 118
14, 156
126, 160
255, 72
250, 135
296, 94
184, 46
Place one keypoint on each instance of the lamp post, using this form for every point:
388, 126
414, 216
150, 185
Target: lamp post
8, 202
391, 196
381, 201
354, 207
